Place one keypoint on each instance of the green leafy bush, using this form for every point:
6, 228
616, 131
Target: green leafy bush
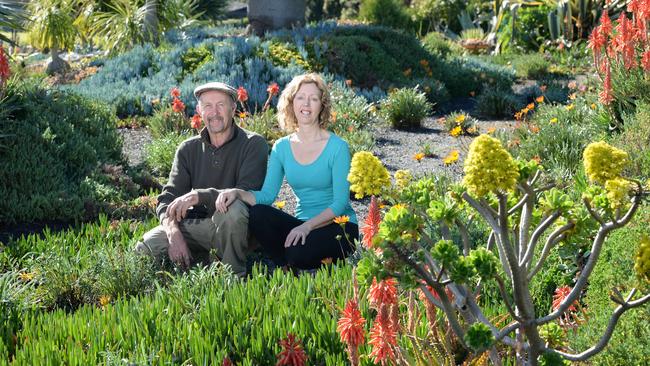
161, 151
531, 66
52, 142
564, 131
497, 103
437, 44
165, 121
532, 26
265, 123
635, 138
195, 57
283, 54
391, 13
405, 108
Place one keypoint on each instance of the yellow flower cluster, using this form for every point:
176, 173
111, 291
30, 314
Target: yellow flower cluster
642, 260
618, 190
368, 176
403, 178
489, 167
603, 161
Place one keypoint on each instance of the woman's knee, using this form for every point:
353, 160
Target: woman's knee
258, 214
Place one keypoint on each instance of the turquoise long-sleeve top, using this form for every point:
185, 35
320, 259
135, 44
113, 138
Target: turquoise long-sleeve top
319, 185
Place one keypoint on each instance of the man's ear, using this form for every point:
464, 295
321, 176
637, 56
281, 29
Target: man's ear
198, 109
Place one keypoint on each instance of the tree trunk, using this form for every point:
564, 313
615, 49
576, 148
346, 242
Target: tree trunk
151, 21
57, 65
264, 15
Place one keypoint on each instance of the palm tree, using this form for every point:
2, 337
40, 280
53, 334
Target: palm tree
265, 15
52, 28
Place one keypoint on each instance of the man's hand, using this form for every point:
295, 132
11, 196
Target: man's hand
177, 210
178, 251
297, 235
226, 198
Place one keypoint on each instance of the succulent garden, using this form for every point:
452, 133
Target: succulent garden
500, 173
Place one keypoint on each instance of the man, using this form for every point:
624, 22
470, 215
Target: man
222, 156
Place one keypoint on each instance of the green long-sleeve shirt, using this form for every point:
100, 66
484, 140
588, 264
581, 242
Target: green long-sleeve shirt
198, 165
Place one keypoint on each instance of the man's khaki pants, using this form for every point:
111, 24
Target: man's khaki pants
226, 233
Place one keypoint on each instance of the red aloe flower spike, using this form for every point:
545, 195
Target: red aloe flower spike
371, 224
383, 292
273, 89
561, 293
178, 106
175, 93
350, 326
226, 362
382, 340
292, 353
605, 96
242, 94
4, 66
196, 122
605, 24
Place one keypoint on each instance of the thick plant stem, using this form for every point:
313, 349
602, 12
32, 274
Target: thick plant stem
602, 342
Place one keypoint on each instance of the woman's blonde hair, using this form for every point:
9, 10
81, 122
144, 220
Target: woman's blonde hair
286, 116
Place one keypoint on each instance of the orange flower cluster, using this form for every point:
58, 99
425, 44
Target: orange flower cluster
292, 353
625, 44
350, 326
196, 121
370, 226
177, 105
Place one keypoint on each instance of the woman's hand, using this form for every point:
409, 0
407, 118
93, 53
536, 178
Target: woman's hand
225, 199
297, 235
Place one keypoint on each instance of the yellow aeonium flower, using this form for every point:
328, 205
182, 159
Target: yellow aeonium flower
402, 178
618, 190
368, 176
603, 162
489, 167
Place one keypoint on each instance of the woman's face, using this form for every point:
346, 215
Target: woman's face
307, 104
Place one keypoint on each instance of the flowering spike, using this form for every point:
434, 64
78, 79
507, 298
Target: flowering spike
242, 94
382, 339
175, 92
382, 292
292, 353
4, 66
371, 224
350, 325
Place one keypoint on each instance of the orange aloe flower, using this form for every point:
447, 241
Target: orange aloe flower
561, 293
382, 340
382, 292
175, 93
350, 325
292, 353
178, 106
196, 122
242, 94
273, 89
371, 224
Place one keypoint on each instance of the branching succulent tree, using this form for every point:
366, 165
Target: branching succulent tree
526, 221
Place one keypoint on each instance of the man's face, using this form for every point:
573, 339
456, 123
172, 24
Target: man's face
217, 110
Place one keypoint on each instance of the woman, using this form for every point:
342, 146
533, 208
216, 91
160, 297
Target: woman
315, 163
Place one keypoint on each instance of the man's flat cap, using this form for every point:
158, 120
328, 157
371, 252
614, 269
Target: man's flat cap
216, 86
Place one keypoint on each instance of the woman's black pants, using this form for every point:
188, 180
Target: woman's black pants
271, 226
